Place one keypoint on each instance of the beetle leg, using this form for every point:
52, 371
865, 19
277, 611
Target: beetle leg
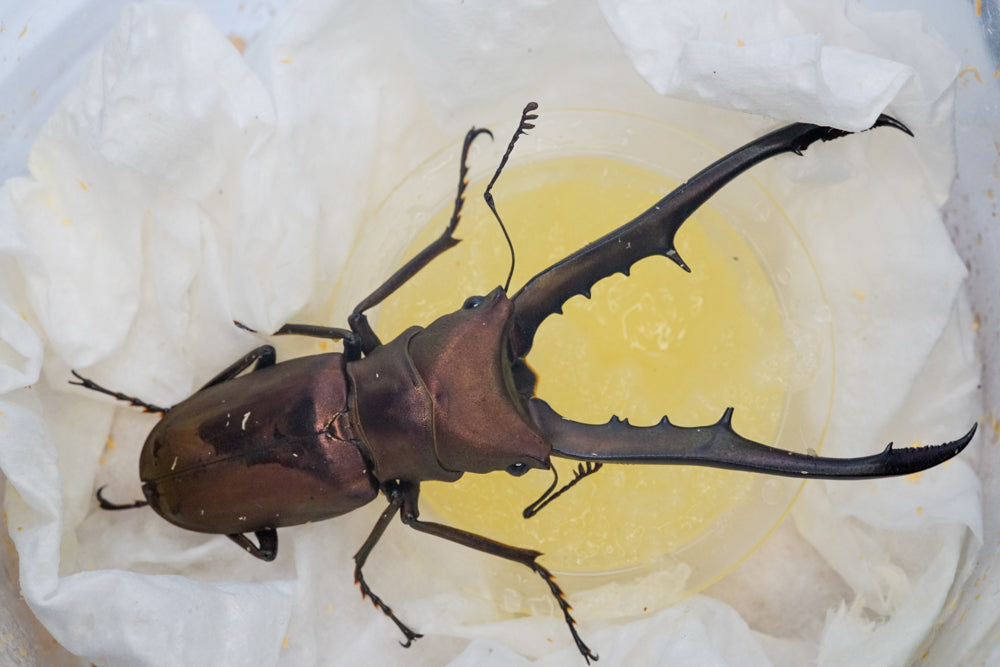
90, 384
263, 355
652, 232
352, 341
358, 321
268, 539
719, 446
313, 331
361, 557
352, 344
108, 505
526, 557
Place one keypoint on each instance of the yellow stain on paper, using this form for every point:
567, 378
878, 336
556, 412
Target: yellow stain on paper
994, 425
969, 69
239, 43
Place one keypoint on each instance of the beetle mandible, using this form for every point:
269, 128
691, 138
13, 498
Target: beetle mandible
441, 401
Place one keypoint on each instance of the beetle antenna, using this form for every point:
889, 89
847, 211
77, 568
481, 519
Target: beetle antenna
522, 128
532, 509
582, 470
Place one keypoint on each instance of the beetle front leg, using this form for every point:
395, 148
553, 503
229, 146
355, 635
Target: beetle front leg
358, 320
527, 557
361, 557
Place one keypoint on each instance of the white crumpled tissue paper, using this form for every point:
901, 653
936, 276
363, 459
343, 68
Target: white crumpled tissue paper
182, 185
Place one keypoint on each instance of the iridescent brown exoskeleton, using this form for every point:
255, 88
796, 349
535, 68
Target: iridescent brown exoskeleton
319, 436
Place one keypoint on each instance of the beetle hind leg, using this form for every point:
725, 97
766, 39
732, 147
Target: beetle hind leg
108, 505
137, 402
266, 537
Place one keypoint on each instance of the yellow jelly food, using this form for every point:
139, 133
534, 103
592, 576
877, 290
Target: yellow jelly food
661, 342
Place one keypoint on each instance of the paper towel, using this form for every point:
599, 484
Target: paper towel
182, 185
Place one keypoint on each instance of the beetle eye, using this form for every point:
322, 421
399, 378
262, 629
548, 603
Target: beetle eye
473, 302
517, 469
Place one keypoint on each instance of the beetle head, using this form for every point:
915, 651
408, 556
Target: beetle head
481, 421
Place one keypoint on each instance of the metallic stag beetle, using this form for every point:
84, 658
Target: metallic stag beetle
437, 402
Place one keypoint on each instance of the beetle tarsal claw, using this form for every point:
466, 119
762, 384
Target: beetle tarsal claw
560, 597
720, 446
267, 539
108, 505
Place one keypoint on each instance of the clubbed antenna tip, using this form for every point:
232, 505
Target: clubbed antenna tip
522, 128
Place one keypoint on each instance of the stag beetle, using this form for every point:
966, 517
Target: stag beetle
437, 402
